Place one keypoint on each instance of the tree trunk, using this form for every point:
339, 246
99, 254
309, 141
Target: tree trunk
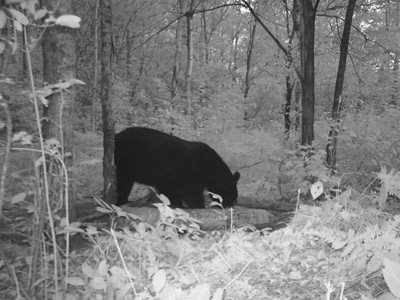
396, 53
288, 55
95, 72
289, 92
331, 148
109, 173
205, 37
248, 59
25, 37
189, 64
307, 31
297, 84
59, 65
178, 50
297, 99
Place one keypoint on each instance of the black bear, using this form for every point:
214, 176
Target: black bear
179, 169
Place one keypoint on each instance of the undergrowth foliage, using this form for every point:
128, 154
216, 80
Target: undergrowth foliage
47, 203
362, 237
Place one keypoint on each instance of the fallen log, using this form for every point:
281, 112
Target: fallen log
212, 219
282, 206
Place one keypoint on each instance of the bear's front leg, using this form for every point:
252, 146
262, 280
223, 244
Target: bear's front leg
167, 184
192, 195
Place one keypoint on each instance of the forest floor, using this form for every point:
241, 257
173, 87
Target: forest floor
240, 263
338, 243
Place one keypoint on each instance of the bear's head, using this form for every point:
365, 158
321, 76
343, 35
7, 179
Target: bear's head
225, 192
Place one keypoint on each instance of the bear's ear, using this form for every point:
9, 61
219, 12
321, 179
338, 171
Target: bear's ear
236, 177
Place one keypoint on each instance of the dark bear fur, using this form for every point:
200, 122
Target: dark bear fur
179, 169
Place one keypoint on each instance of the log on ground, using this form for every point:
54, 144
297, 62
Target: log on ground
212, 219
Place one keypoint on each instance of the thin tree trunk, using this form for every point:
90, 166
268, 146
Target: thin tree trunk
396, 52
331, 148
297, 99
205, 37
289, 92
189, 64
25, 37
178, 50
95, 72
59, 64
109, 173
290, 80
287, 52
248, 59
307, 32
298, 83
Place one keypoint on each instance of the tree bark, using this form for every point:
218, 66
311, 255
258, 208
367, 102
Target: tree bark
288, 55
289, 78
178, 50
95, 68
189, 62
109, 173
59, 65
331, 148
297, 99
307, 32
205, 37
248, 59
289, 92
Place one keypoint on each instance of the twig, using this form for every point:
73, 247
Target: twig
252, 165
238, 275
6, 155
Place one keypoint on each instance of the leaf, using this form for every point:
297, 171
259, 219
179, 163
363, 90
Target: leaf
391, 273
218, 295
200, 292
77, 281
3, 19
2, 48
102, 268
17, 25
159, 280
18, 198
87, 270
91, 230
98, 283
317, 189
23, 137
74, 81
116, 277
19, 17
346, 216
29, 5
386, 296
68, 21
164, 199
40, 14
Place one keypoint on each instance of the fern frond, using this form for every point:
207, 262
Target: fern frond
392, 226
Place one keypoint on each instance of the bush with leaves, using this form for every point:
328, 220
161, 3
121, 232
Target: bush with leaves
47, 202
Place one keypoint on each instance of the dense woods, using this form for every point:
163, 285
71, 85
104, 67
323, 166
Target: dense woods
301, 97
